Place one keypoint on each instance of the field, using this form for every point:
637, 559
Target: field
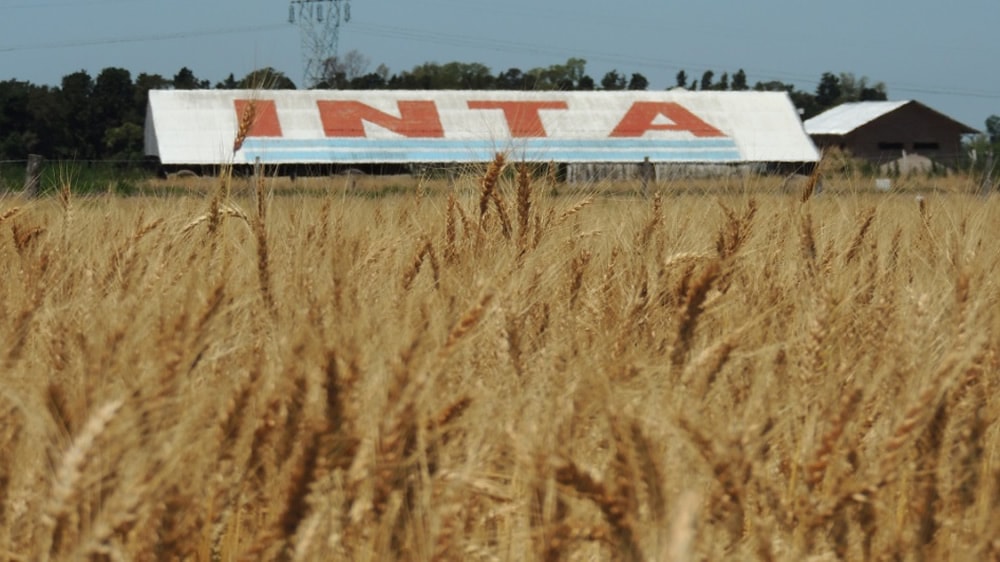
499, 368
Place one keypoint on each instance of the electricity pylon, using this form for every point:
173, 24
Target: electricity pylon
319, 24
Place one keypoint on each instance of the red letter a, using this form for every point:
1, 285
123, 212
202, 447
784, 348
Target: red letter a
641, 116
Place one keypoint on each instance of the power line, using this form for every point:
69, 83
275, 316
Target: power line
63, 4
143, 38
455, 40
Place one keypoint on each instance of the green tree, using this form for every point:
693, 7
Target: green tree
805, 103
875, 93
266, 78
124, 142
872, 92
341, 70
510, 79
638, 82
370, 81
740, 81
112, 100
564, 76
472, 76
975, 153
229, 83
17, 139
993, 128
613, 81
828, 92
78, 136
434, 76
186, 80
853, 88
146, 82
723, 83
43, 121
682, 79
453, 76
420, 77
773, 86
706, 80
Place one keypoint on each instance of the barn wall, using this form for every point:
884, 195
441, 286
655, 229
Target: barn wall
911, 128
597, 171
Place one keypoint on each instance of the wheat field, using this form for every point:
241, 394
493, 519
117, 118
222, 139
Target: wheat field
491, 372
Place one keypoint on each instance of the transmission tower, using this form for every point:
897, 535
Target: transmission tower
319, 24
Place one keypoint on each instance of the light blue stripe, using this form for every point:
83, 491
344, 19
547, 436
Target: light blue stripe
471, 150
469, 147
447, 150
532, 143
468, 155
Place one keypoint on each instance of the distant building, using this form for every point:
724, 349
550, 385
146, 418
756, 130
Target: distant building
885, 131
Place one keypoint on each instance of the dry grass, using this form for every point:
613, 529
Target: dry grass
488, 372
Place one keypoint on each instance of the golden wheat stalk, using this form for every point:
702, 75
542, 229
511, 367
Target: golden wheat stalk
501, 207
523, 203
816, 470
450, 251
488, 184
225, 211
264, 265
69, 475
864, 225
466, 324
691, 308
809, 189
571, 211
9, 213
247, 118
614, 505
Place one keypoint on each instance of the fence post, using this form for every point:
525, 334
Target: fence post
647, 172
33, 174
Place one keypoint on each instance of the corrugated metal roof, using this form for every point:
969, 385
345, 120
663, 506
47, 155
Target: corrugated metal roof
398, 126
849, 116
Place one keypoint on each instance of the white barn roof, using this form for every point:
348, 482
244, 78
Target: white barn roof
849, 116
399, 126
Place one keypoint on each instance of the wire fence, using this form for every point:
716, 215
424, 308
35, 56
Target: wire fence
128, 177
84, 175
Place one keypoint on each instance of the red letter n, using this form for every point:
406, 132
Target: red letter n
522, 116
641, 116
346, 119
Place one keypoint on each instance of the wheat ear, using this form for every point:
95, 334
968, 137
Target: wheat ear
68, 476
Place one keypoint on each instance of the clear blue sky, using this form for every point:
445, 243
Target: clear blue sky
943, 54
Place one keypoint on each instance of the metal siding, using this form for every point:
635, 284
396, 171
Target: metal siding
847, 117
198, 127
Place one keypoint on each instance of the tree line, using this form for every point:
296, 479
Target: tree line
102, 118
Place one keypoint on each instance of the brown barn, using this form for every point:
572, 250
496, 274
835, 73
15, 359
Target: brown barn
885, 131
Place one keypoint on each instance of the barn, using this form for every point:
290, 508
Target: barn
889, 131
583, 131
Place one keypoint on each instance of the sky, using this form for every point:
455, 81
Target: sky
942, 54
